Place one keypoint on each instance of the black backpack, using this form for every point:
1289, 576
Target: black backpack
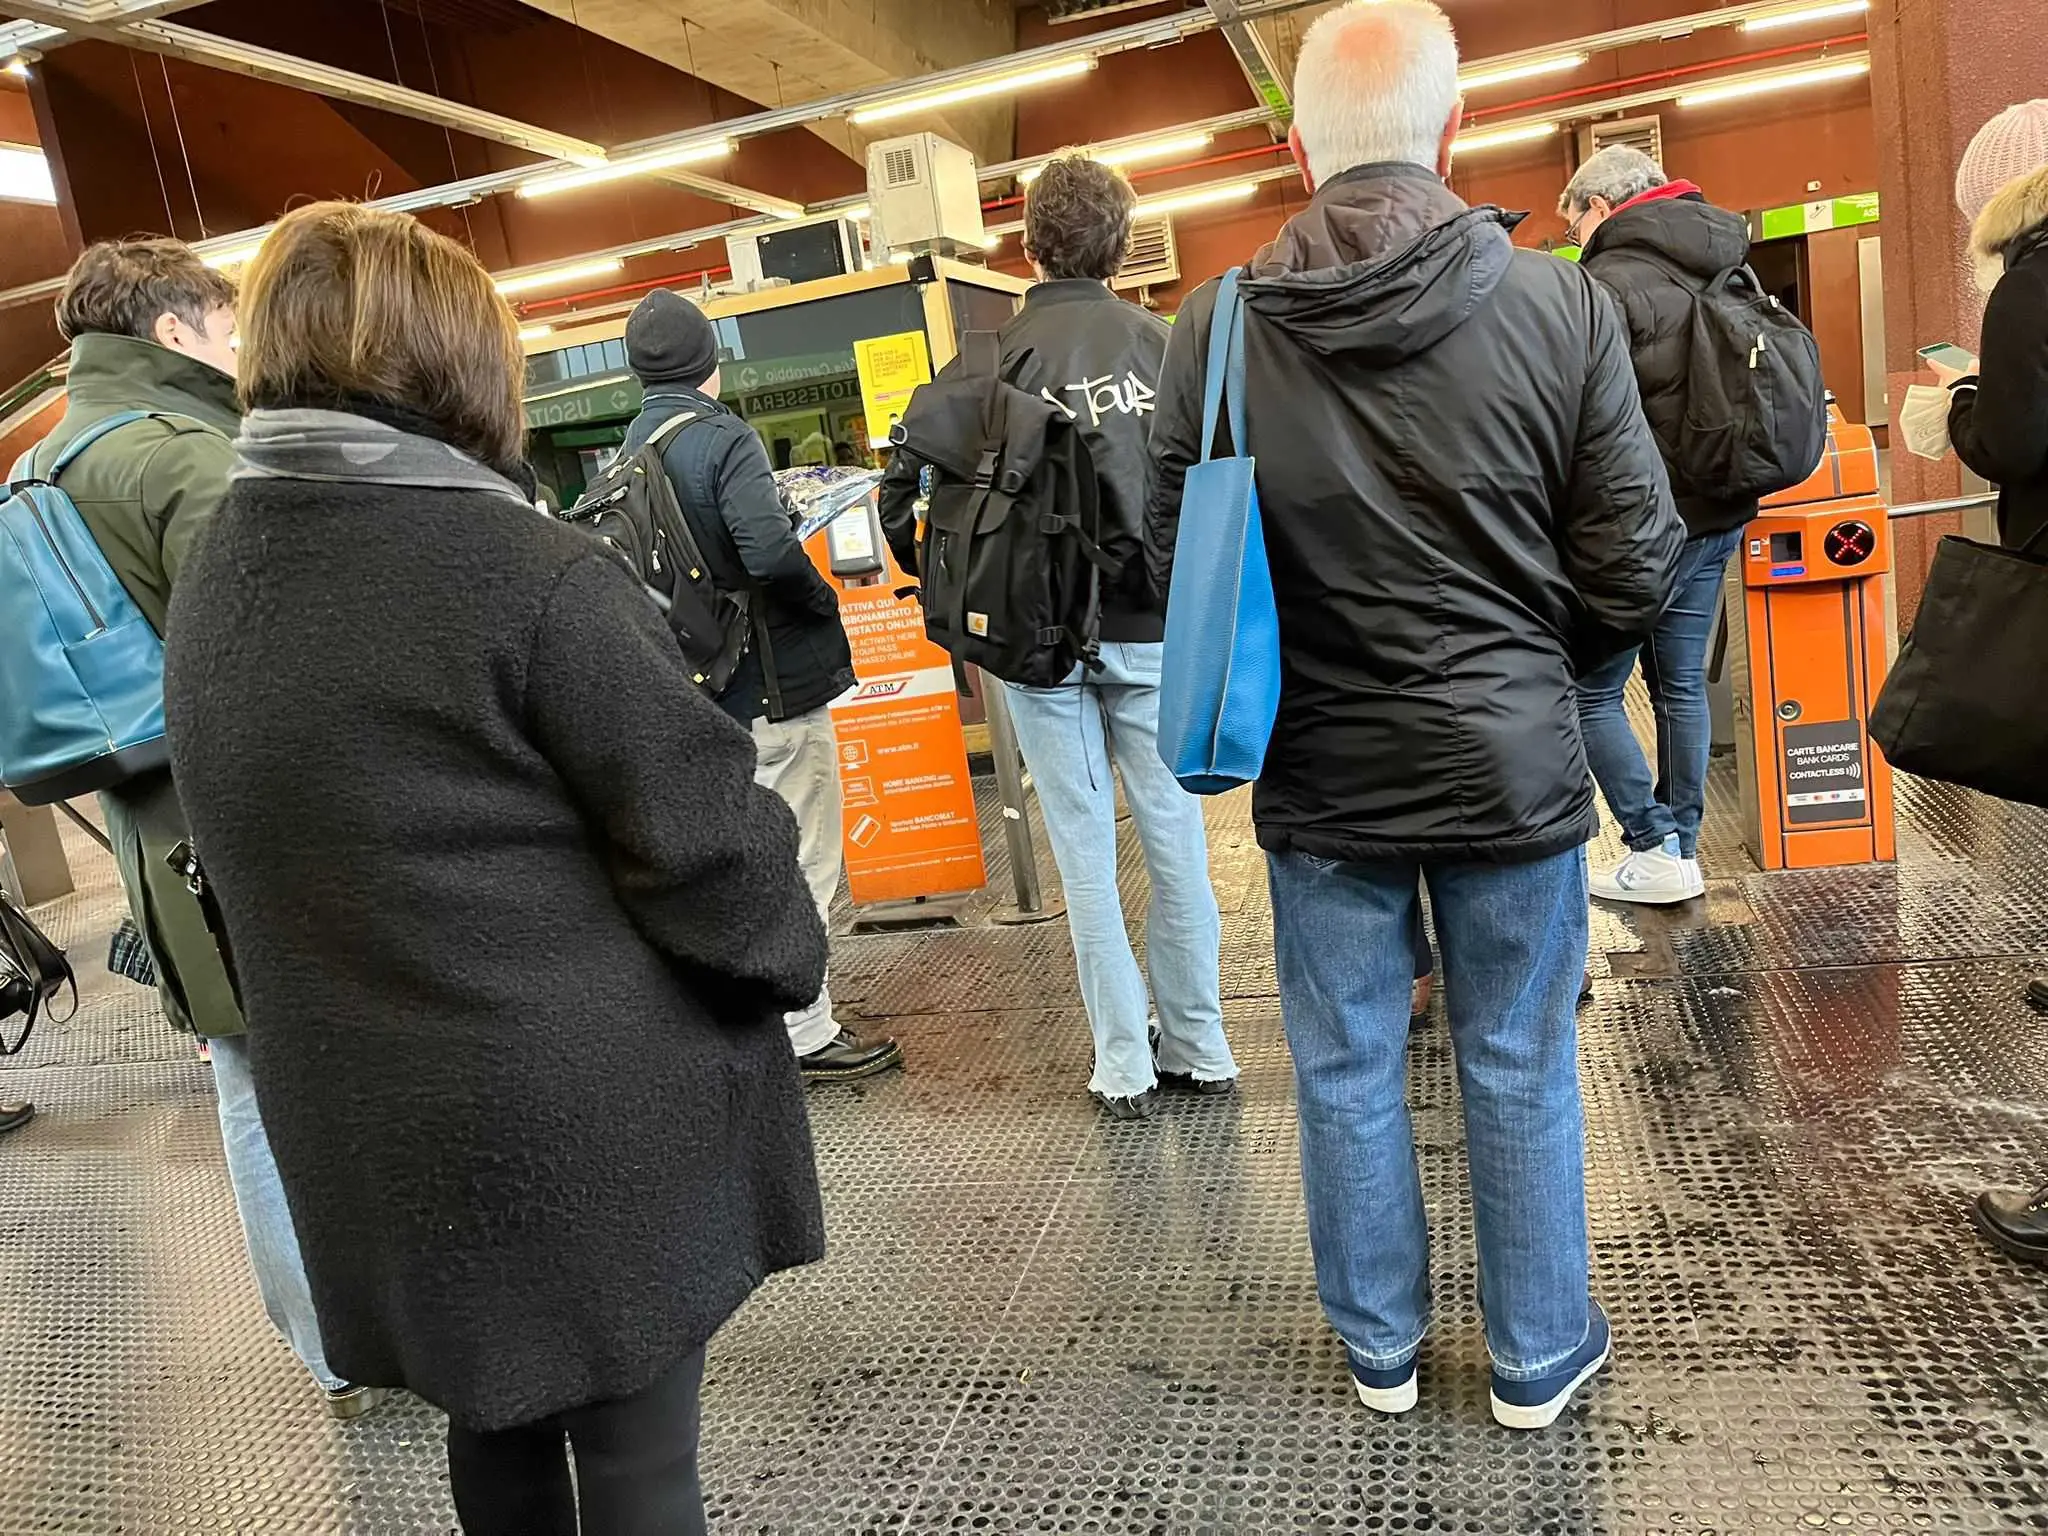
1010, 511
632, 506
33, 971
1756, 409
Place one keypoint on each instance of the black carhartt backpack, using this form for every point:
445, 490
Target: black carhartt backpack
1756, 409
632, 506
1009, 511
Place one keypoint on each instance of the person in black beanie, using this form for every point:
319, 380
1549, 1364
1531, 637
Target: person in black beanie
799, 661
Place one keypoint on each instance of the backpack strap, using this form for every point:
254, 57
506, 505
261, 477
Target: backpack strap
1226, 368
671, 427
25, 467
981, 353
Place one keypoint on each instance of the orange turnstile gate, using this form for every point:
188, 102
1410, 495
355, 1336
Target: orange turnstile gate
1807, 655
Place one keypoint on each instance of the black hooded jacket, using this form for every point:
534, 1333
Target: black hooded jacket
1462, 502
1656, 257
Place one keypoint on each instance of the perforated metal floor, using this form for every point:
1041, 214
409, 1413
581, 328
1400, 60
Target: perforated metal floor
1032, 1321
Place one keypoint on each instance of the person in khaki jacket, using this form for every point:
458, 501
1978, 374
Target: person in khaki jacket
152, 328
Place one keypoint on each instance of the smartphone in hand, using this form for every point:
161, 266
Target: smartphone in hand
1946, 358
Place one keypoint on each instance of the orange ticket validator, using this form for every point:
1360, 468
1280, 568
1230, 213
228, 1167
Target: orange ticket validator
1807, 654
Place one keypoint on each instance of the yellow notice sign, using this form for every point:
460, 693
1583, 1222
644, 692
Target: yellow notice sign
891, 368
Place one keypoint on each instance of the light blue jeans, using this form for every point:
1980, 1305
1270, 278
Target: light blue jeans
1674, 662
1068, 736
1513, 939
266, 1220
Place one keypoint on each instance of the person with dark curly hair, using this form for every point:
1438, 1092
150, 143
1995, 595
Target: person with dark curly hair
1097, 358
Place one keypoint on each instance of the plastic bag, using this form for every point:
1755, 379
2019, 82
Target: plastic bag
1923, 421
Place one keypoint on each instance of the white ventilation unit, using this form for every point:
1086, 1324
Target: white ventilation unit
924, 194
1155, 258
1644, 133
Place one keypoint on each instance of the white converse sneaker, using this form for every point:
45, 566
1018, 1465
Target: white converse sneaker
1656, 877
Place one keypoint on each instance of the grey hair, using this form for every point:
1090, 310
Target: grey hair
1615, 175
1377, 81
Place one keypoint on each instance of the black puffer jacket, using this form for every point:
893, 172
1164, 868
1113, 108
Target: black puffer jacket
1999, 420
1656, 255
515, 930
1460, 495
800, 659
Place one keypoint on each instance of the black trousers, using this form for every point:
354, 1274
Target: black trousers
636, 1468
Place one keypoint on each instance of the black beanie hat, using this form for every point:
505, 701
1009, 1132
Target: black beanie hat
668, 341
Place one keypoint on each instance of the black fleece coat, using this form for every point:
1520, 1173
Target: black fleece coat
515, 930
1462, 502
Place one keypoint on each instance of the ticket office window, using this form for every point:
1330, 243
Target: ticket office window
790, 371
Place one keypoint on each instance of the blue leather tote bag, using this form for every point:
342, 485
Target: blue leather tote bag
1219, 686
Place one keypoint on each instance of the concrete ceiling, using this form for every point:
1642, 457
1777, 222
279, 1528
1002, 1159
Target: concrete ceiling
780, 52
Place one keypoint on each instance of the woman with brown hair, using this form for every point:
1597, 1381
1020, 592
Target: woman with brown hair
514, 928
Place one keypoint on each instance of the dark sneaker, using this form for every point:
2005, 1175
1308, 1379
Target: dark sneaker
14, 1116
1142, 1106
848, 1058
1202, 1087
1390, 1390
351, 1403
1537, 1404
2037, 991
2015, 1222
1585, 989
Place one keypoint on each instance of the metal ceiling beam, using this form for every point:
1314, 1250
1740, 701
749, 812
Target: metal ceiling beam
1250, 51
738, 196
196, 47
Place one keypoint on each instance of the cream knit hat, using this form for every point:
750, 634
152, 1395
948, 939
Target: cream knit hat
2013, 144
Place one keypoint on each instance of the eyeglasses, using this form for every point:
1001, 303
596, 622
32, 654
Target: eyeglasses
1571, 230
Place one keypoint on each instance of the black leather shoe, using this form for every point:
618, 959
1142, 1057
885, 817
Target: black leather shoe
2016, 1222
1201, 1087
2037, 992
848, 1058
14, 1116
1141, 1107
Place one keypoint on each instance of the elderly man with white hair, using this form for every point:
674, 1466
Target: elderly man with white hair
1463, 506
1658, 246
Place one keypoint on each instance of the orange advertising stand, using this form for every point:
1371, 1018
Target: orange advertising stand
911, 828
1807, 651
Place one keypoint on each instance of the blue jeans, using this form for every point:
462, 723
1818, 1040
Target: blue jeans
1675, 668
1513, 938
266, 1220
1068, 736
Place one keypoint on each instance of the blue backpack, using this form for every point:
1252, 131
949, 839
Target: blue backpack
81, 669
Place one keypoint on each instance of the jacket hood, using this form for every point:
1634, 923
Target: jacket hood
1386, 261
2021, 210
125, 373
1683, 228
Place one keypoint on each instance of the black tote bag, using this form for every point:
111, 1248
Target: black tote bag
1963, 704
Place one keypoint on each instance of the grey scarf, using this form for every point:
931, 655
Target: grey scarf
333, 446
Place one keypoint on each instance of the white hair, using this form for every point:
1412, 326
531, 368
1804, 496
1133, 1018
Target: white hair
1377, 81
1618, 174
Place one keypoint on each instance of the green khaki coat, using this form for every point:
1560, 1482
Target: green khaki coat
147, 493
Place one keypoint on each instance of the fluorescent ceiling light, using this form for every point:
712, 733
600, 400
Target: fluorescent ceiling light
1799, 16
1196, 197
25, 177
1562, 64
15, 67
992, 242
1495, 138
860, 214
618, 170
536, 332
554, 277
970, 90
1130, 154
1791, 80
